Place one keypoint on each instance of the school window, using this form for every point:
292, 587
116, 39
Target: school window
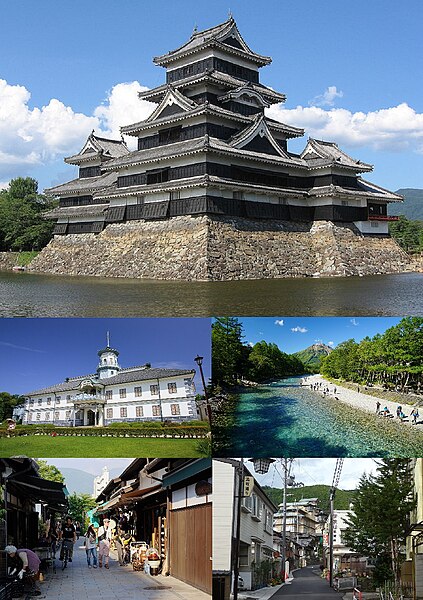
123, 411
56, 414
109, 413
171, 388
175, 409
138, 392
47, 416
139, 411
154, 390
109, 394
68, 397
49, 401
68, 414
38, 416
31, 401
58, 399
122, 393
40, 401
29, 417
156, 410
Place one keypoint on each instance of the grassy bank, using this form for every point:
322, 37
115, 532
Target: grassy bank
24, 258
97, 447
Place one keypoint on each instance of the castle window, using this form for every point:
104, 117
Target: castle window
139, 411
344, 202
175, 409
109, 394
157, 176
175, 195
123, 411
138, 392
140, 200
122, 393
109, 413
171, 388
156, 410
374, 224
238, 195
154, 390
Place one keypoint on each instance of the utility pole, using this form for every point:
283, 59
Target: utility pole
238, 529
335, 482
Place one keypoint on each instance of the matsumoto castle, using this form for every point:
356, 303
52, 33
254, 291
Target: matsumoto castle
113, 395
209, 149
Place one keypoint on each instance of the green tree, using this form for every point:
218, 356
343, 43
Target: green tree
268, 361
49, 472
22, 226
7, 404
379, 521
408, 234
229, 354
79, 504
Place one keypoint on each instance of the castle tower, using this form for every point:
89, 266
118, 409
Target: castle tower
108, 364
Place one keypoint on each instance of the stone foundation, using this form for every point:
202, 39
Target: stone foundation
8, 260
222, 248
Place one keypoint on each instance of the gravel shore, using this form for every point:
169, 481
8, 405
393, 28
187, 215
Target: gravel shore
362, 401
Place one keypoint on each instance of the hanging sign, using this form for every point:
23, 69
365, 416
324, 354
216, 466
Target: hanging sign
248, 486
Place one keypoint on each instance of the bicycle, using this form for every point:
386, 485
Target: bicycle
65, 554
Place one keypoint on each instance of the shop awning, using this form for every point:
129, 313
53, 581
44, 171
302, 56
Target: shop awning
51, 493
136, 495
190, 470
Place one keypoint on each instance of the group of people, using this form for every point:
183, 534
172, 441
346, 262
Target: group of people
385, 412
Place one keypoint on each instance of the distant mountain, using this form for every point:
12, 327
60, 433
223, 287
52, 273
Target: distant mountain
412, 207
82, 482
312, 356
343, 498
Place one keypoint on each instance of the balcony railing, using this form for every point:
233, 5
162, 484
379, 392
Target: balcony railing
383, 218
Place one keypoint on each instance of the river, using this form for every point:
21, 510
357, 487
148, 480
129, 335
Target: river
34, 295
285, 419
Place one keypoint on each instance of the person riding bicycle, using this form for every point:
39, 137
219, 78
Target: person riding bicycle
25, 565
68, 537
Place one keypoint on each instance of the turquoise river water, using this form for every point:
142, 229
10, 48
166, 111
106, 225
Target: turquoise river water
285, 419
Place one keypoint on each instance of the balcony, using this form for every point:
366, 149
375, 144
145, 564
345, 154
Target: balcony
382, 218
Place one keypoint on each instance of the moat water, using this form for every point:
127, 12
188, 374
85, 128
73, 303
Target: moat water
285, 419
34, 295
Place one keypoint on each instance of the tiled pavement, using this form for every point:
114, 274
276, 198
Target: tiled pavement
78, 582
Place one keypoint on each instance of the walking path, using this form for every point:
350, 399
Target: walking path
78, 582
362, 401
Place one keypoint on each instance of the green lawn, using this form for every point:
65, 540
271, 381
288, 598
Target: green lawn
73, 447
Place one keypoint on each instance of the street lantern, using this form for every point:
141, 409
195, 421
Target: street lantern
261, 465
199, 360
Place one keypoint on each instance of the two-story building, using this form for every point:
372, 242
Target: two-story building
256, 544
113, 394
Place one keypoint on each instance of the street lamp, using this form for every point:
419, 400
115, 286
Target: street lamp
261, 465
199, 360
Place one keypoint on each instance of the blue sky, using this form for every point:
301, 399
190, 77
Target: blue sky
35, 353
351, 72
292, 334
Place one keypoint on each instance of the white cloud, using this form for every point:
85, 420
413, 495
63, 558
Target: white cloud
331, 344
299, 329
279, 322
354, 322
327, 98
38, 136
399, 128
251, 344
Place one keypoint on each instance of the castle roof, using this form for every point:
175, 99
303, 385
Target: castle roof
92, 210
224, 36
98, 147
213, 76
317, 151
84, 185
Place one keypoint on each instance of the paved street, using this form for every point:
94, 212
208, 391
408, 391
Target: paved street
307, 584
78, 582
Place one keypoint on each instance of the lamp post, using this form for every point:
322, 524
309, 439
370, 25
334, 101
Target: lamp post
199, 360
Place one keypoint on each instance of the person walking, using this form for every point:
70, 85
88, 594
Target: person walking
399, 411
377, 407
415, 415
91, 546
68, 537
104, 539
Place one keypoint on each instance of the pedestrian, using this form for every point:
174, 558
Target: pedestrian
104, 539
334, 390
118, 540
91, 546
68, 537
399, 411
377, 407
415, 415
25, 564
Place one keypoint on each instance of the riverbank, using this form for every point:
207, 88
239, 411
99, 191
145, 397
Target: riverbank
8, 260
362, 401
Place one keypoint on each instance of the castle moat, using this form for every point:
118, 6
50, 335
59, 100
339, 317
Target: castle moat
35, 295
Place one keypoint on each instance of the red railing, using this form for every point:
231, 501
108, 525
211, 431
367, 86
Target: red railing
382, 218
